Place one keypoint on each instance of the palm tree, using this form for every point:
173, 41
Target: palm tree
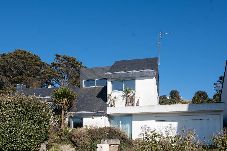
64, 98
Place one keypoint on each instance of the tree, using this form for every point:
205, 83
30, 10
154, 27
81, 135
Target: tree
63, 97
200, 97
218, 84
68, 69
216, 98
174, 98
175, 95
23, 67
24, 122
218, 89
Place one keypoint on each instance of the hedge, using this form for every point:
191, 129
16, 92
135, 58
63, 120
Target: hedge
24, 123
86, 139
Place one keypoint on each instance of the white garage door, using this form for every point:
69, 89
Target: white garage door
205, 125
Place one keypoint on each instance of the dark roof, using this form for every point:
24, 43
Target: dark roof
131, 75
91, 100
135, 64
93, 73
39, 92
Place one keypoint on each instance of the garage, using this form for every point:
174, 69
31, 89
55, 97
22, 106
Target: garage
205, 125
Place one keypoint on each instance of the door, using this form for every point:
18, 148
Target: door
124, 123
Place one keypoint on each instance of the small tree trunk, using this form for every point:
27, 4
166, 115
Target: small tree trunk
62, 118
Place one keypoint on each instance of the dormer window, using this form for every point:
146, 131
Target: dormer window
94, 83
129, 84
100, 82
118, 85
89, 83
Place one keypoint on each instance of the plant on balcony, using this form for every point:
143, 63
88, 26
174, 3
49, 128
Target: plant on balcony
111, 100
129, 96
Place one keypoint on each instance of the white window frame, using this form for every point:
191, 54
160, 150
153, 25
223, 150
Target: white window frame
123, 81
95, 83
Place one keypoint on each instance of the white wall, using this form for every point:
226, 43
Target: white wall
205, 124
95, 121
145, 92
224, 95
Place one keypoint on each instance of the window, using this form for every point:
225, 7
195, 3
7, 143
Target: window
129, 84
122, 85
89, 83
117, 85
100, 82
95, 83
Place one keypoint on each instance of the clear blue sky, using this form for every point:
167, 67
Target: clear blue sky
99, 32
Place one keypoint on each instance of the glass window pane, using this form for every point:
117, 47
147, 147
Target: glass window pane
89, 83
101, 82
117, 85
130, 84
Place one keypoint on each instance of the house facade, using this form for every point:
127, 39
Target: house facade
130, 90
125, 95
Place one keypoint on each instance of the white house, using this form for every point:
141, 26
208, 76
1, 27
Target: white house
125, 95
145, 111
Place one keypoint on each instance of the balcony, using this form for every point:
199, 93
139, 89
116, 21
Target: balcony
122, 99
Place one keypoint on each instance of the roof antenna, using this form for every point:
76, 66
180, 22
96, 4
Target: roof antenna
160, 36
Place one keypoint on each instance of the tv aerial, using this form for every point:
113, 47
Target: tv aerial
160, 36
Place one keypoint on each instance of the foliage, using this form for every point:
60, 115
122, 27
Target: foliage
23, 67
175, 95
200, 97
216, 98
63, 97
174, 98
58, 136
68, 69
164, 100
86, 139
153, 141
218, 84
129, 96
24, 123
220, 141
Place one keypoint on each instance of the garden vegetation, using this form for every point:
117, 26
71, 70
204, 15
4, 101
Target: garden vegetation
24, 123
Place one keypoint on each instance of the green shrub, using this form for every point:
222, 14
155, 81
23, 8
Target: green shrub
220, 141
86, 139
59, 136
24, 123
200, 97
174, 98
153, 141
175, 95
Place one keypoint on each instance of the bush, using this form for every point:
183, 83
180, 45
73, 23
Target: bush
175, 95
220, 141
59, 136
153, 141
24, 123
200, 97
217, 98
86, 139
174, 98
